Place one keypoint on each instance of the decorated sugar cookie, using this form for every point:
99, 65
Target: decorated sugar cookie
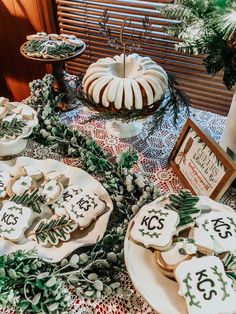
14, 220
203, 241
27, 113
84, 208
64, 201
51, 231
52, 191
4, 180
20, 185
32, 171
155, 226
205, 286
220, 227
167, 261
58, 176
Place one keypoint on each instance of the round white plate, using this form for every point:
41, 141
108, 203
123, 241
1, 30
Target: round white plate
88, 236
159, 291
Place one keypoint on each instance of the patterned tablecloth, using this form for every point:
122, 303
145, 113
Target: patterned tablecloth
153, 155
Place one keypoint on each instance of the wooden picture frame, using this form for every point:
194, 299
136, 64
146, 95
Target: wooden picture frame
200, 163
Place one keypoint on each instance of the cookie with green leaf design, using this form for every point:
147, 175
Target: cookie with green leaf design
154, 226
14, 220
184, 203
205, 286
219, 228
85, 208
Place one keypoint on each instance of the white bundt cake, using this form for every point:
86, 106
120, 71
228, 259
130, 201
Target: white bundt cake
144, 83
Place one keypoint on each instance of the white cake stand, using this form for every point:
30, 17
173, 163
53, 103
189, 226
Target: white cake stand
120, 129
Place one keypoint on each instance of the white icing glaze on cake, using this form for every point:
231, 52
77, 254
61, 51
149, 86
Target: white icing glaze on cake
154, 226
221, 229
14, 220
205, 286
144, 83
84, 208
21, 185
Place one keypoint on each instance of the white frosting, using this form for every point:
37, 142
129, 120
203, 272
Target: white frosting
202, 239
10, 117
154, 226
173, 257
105, 78
189, 248
32, 171
65, 199
2, 110
3, 101
53, 175
51, 190
84, 208
4, 180
221, 229
205, 286
21, 185
14, 220
27, 112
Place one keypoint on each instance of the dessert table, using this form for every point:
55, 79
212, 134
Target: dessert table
153, 154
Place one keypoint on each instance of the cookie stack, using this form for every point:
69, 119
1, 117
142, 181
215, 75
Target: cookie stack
44, 207
191, 243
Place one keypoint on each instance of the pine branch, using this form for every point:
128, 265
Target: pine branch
34, 200
11, 128
184, 204
179, 13
55, 229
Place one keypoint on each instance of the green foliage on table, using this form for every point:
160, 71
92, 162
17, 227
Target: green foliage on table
11, 128
207, 27
28, 284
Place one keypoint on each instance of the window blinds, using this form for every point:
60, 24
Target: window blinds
81, 17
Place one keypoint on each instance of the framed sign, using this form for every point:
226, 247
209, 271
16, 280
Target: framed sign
201, 163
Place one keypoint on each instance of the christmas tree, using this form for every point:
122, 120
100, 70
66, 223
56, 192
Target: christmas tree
207, 27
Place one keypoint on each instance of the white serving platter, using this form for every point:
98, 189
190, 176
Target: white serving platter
79, 238
159, 291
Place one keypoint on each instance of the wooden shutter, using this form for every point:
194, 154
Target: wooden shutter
80, 17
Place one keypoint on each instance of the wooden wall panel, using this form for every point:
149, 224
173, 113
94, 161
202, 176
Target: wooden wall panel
19, 18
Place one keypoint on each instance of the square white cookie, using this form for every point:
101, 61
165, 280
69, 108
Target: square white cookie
205, 286
220, 227
84, 208
154, 226
14, 220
